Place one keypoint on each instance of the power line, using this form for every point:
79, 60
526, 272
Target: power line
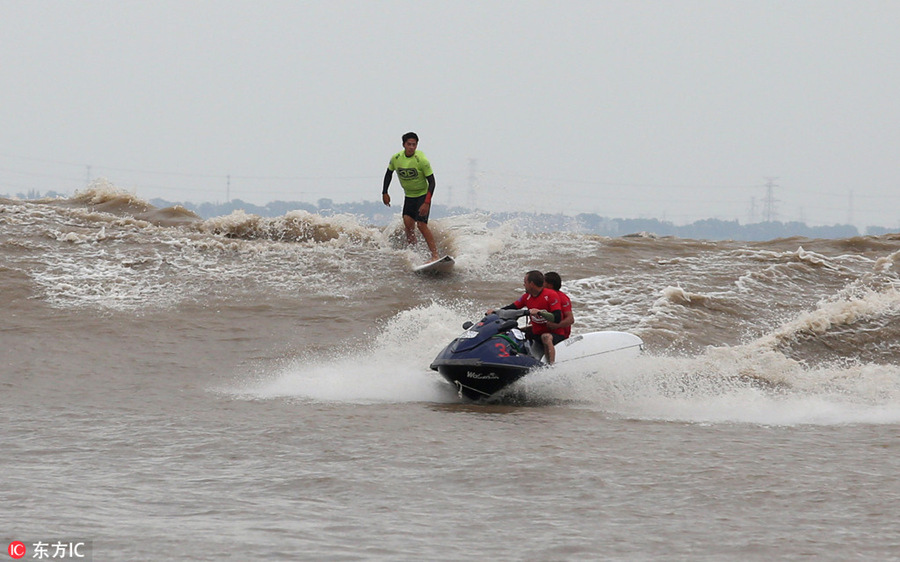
769, 212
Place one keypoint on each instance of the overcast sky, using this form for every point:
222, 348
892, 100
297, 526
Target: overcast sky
671, 109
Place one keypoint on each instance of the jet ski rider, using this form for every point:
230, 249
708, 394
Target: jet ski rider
564, 327
543, 304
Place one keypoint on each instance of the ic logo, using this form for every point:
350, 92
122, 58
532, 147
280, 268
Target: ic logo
16, 549
407, 173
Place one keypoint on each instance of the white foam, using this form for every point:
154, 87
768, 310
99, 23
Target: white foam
478, 247
101, 261
101, 191
393, 369
356, 380
727, 387
840, 312
294, 226
744, 384
607, 302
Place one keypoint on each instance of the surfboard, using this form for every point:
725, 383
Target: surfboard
620, 345
436, 267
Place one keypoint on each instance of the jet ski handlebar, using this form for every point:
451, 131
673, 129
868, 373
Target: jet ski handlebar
509, 314
502, 314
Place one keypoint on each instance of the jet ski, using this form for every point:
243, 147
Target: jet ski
493, 353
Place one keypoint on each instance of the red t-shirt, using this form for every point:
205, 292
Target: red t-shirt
547, 300
565, 305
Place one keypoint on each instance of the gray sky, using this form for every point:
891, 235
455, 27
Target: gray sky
671, 109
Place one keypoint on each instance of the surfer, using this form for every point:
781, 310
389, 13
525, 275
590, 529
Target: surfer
564, 326
543, 304
417, 180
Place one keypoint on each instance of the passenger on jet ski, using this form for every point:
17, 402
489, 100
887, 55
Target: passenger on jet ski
564, 327
543, 305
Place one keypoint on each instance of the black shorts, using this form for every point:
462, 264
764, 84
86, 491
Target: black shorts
411, 208
557, 338
529, 335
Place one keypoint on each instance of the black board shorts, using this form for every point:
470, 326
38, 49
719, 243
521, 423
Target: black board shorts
411, 208
529, 335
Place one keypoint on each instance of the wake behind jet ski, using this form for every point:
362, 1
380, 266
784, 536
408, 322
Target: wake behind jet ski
494, 353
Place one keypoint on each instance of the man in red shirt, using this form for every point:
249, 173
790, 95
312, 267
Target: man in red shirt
539, 299
564, 326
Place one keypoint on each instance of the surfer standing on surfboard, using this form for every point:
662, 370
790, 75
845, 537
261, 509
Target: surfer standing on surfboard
417, 180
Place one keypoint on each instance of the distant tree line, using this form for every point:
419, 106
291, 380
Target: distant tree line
376, 214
